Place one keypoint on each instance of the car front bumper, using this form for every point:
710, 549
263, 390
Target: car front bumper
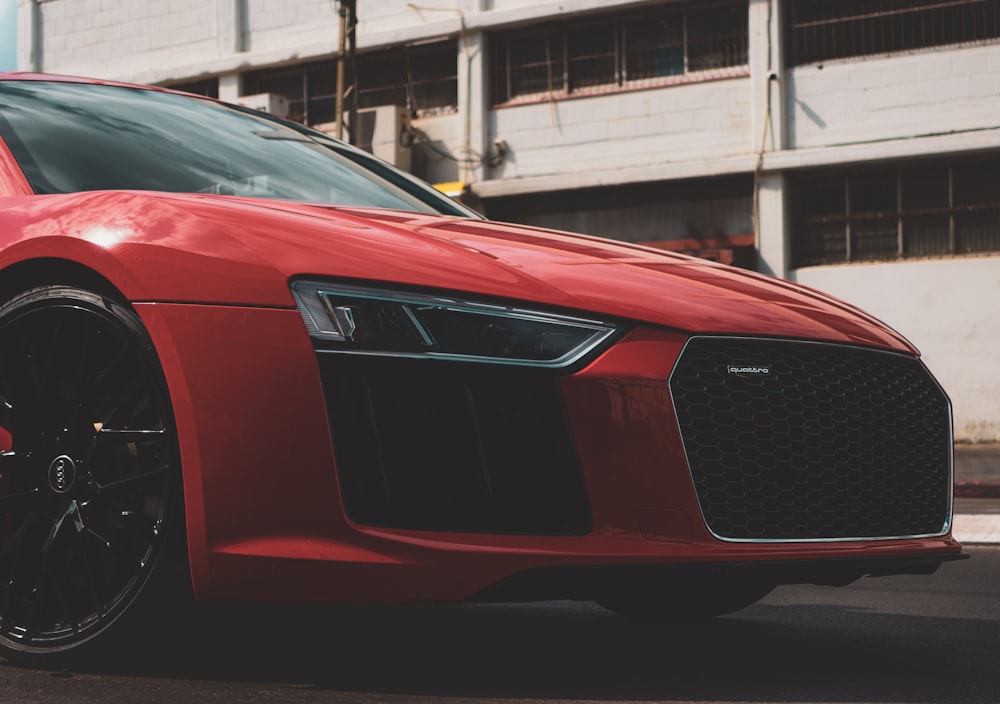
267, 518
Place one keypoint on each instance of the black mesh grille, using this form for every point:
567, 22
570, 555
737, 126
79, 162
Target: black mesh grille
796, 441
435, 446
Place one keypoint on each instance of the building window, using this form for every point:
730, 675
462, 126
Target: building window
208, 87
421, 78
930, 209
821, 30
689, 43
311, 89
708, 217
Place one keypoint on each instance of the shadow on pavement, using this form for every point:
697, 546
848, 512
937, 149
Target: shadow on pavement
578, 651
894, 639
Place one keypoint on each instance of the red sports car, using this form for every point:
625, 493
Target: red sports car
240, 360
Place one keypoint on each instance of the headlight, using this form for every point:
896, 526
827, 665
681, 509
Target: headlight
353, 320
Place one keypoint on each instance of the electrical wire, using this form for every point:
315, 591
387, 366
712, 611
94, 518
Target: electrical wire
492, 160
759, 166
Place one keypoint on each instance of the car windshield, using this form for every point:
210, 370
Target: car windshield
70, 137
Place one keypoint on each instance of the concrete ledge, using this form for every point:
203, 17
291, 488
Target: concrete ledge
977, 529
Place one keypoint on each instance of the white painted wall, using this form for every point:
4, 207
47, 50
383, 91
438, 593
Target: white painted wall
279, 25
386, 15
950, 309
108, 37
444, 133
692, 122
865, 99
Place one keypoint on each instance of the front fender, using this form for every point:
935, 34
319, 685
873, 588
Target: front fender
255, 446
149, 248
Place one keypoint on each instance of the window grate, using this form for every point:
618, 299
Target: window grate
820, 30
925, 210
693, 43
422, 78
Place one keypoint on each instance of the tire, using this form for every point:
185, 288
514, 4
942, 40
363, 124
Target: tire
686, 601
92, 544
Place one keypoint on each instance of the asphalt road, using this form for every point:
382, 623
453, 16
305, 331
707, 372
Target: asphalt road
892, 639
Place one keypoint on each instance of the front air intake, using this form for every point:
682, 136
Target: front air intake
453, 447
795, 441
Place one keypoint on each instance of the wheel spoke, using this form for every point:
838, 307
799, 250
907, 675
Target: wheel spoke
11, 463
52, 347
7, 602
71, 510
34, 373
150, 525
37, 593
130, 435
21, 497
12, 576
36, 600
96, 590
95, 581
116, 361
128, 398
6, 412
123, 437
117, 551
11, 550
129, 481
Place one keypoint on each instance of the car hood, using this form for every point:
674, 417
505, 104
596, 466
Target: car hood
227, 250
583, 273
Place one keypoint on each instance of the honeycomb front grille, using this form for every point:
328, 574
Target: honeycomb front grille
791, 440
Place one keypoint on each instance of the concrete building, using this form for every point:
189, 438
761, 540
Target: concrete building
853, 147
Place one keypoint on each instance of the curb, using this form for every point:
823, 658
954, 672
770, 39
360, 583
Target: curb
976, 529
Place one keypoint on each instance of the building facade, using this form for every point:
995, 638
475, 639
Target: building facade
852, 147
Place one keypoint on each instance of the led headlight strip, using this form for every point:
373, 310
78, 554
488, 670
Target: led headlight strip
355, 320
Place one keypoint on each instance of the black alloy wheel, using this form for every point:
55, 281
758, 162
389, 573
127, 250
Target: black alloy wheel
91, 518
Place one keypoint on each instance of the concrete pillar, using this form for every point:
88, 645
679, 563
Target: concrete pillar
472, 105
230, 87
766, 76
8, 35
29, 36
767, 104
773, 225
232, 26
